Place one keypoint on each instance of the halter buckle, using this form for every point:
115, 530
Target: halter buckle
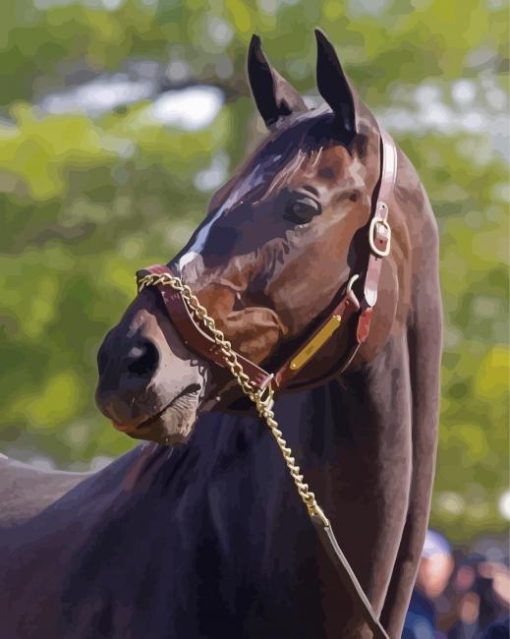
379, 237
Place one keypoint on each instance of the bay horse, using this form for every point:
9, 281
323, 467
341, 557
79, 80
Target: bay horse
199, 532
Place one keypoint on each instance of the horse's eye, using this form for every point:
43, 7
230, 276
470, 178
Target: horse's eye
302, 209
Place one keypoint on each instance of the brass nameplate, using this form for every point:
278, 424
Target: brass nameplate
316, 342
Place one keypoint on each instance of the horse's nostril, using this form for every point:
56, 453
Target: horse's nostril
143, 359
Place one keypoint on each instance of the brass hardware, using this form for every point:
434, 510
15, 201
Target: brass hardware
316, 342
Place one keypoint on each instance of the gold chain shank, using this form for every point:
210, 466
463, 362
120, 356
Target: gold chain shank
263, 399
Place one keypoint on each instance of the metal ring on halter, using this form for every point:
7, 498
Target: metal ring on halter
350, 283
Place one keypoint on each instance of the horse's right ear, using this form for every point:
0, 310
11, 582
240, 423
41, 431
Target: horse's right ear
274, 96
334, 87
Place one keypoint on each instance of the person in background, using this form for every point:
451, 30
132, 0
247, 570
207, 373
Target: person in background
483, 600
499, 575
434, 572
462, 619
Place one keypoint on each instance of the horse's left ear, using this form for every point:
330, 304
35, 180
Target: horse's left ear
334, 87
274, 96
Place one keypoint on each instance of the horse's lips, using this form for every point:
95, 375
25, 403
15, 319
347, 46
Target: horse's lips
121, 427
192, 389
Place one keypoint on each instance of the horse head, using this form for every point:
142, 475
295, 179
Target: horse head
280, 240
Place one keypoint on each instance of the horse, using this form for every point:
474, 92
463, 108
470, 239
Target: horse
199, 531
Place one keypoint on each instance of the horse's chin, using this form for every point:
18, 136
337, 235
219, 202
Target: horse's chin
172, 425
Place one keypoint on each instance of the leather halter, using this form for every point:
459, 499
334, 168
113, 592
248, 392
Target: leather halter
349, 306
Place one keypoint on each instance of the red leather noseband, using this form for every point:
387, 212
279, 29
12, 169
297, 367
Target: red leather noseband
193, 335
379, 241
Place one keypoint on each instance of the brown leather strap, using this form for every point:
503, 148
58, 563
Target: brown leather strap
379, 242
194, 336
379, 239
379, 234
344, 310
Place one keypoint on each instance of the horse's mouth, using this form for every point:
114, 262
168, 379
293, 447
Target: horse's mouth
183, 401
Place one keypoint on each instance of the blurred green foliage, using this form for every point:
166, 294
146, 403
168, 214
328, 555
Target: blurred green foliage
88, 198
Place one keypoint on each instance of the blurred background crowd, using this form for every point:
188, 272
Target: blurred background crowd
461, 593
119, 118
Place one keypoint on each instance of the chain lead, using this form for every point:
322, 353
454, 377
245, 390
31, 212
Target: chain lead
263, 399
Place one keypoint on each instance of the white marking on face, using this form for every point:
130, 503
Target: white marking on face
200, 240
251, 181
188, 257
